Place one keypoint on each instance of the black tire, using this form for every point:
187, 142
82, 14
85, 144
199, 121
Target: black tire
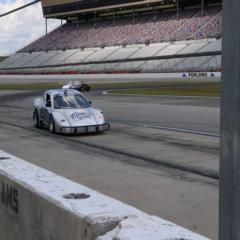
36, 119
51, 125
88, 88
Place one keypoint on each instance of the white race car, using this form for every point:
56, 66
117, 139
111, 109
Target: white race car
67, 111
81, 86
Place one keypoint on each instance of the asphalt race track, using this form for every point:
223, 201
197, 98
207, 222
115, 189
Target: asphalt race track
161, 154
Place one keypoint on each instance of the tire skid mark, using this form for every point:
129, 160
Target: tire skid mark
161, 162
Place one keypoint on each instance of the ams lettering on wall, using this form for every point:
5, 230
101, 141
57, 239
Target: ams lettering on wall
9, 197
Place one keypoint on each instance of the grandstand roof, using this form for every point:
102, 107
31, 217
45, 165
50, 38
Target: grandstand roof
70, 9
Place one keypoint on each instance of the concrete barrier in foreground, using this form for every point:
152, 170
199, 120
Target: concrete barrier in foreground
36, 204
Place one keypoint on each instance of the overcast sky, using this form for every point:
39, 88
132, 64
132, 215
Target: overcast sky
22, 27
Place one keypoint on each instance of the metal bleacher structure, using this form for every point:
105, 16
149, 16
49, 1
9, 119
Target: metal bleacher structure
191, 42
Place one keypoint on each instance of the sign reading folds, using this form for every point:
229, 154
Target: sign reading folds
201, 74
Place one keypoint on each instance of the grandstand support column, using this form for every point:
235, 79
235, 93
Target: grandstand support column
95, 19
229, 206
133, 15
46, 25
177, 8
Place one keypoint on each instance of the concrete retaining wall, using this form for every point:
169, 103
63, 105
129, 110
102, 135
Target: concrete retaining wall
110, 78
36, 204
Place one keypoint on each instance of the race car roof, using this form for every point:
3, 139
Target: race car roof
62, 91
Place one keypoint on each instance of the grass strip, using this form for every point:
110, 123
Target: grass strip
206, 91
49, 85
152, 84
30, 86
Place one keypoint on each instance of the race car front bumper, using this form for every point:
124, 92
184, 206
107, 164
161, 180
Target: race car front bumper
85, 129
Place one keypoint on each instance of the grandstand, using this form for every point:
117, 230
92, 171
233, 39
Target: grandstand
128, 36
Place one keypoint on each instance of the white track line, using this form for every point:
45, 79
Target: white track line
109, 92
167, 128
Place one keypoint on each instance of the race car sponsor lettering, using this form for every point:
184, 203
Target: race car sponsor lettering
80, 116
9, 197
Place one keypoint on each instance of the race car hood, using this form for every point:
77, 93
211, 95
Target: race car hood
78, 117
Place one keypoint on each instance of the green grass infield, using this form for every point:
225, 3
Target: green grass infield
205, 91
30, 86
143, 88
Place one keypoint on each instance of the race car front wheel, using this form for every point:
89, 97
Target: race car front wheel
36, 119
51, 125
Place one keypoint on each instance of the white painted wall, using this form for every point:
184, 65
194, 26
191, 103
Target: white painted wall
33, 208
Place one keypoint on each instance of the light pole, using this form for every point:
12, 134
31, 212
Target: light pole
229, 207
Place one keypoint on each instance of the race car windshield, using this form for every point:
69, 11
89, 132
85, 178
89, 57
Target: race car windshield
70, 102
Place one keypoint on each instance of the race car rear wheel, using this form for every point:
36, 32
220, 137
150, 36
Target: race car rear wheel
87, 88
36, 119
51, 125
